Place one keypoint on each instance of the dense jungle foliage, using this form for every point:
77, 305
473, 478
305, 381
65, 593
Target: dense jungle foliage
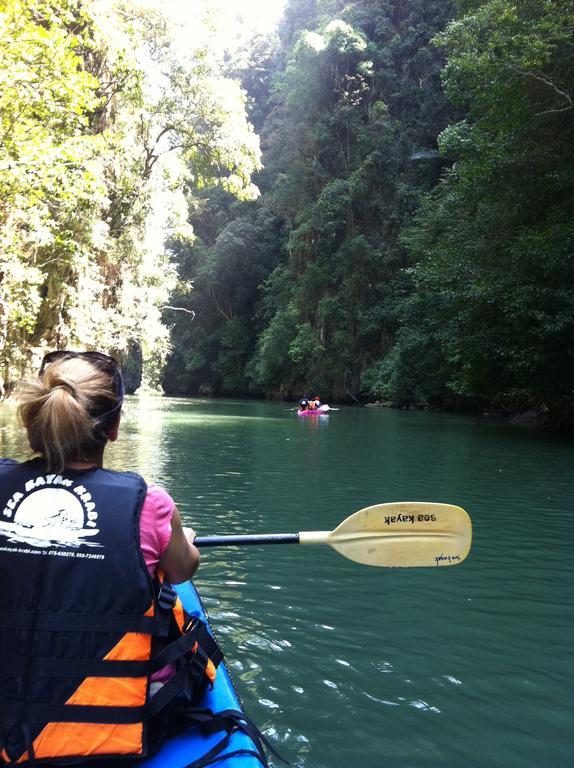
405, 236
413, 241
102, 121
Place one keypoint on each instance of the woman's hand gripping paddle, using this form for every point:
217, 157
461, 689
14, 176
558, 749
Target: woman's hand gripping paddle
405, 534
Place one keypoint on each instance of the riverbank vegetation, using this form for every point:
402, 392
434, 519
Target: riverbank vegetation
104, 120
405, 236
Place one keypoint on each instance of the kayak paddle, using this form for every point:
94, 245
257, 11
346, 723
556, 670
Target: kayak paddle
402, 534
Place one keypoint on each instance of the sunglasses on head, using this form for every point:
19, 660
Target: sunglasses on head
64, 354
100, 360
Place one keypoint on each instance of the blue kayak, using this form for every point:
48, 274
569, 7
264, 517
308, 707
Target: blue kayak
190, 745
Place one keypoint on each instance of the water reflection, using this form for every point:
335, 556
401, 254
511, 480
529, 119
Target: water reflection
142, 443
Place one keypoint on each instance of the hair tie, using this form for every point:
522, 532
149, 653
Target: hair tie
68, 387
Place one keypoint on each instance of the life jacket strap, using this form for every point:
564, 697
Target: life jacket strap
166, 595
112, 668
31, 712
207, 642
57, 621
194, 647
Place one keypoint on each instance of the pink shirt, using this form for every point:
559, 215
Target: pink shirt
155, 533
155, 525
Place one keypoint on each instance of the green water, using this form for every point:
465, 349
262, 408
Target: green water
344, 665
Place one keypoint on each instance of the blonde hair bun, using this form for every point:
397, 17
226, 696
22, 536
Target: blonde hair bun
60, 410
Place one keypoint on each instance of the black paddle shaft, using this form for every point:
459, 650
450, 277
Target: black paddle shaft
246, 539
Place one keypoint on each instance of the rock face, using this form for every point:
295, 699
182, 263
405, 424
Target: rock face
132, 366
532, 419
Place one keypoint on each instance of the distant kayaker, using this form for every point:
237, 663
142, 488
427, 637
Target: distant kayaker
85, 607
303, 404
315, 403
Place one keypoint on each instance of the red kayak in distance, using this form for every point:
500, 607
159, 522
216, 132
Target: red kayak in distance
322, 410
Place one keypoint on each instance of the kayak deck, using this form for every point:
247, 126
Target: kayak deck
190, 745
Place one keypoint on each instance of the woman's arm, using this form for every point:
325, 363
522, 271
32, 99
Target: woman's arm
180, 558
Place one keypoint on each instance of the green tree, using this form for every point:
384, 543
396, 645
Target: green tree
84, 119
227, 261
493, 243
359, 94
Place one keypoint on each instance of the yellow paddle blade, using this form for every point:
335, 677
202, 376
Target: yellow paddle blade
404, 534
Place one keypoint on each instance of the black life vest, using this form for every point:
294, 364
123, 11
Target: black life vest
82, 625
